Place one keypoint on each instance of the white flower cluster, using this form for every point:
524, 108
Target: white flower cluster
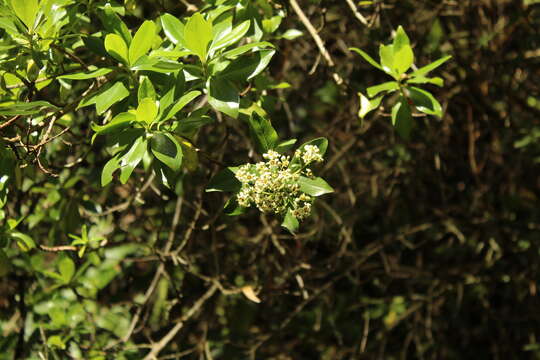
309, 154
273, 187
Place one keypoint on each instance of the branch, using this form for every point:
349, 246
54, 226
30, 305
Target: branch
320, 44
157, 347
356, 13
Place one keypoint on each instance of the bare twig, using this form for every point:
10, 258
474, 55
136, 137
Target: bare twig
356, 13
9, 122
157, 347
320, 44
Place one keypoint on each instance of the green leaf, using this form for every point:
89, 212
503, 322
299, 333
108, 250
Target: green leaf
119, 122
430, 67
147, 110
368, 105
262, 132
232, 37
225, 180
132, 158
56, 341
292, 34
232, 208
189, 126
86, 75
26, 108
386, 53
146, 89
173, 28
425, 80
425, 102
314, 187
256, 46
285, 146
387, 86
166, 149
26, 10
157, 65
9, 26
117, 48
223, 96
247, 67
25, 242
66, 266
114, 94
290, 222
198, 35
366, 57
402, 118
113, 24
110, 167
403, 54
180, 103
142, 41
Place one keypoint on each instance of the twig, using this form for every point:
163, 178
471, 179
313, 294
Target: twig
58, 248
9, 122
157, 347
320, 44
356, 13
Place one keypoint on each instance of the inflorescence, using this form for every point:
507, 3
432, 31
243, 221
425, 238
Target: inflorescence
272, 185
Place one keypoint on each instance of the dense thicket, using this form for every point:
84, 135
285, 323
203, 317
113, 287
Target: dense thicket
428, 247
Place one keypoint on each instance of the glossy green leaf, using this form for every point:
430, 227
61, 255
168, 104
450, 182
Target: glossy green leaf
132, 158
26, 10
157, 65
366, 57
142, 41
402, 118
198, 35
368, 105
387, 86
147, 110
247, 67
262, 132
403, 54
386, 53
285, 146
430, 67
117, 48
425, 102
232, 37
26, 108
113, 24
86, 75
290, 222
166, 149
255, 46
425, 80
314, 187
110, 167
223, 96
225, 180
180, 103
114, 94
173, 28
146, 89
292, 34
119, 122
